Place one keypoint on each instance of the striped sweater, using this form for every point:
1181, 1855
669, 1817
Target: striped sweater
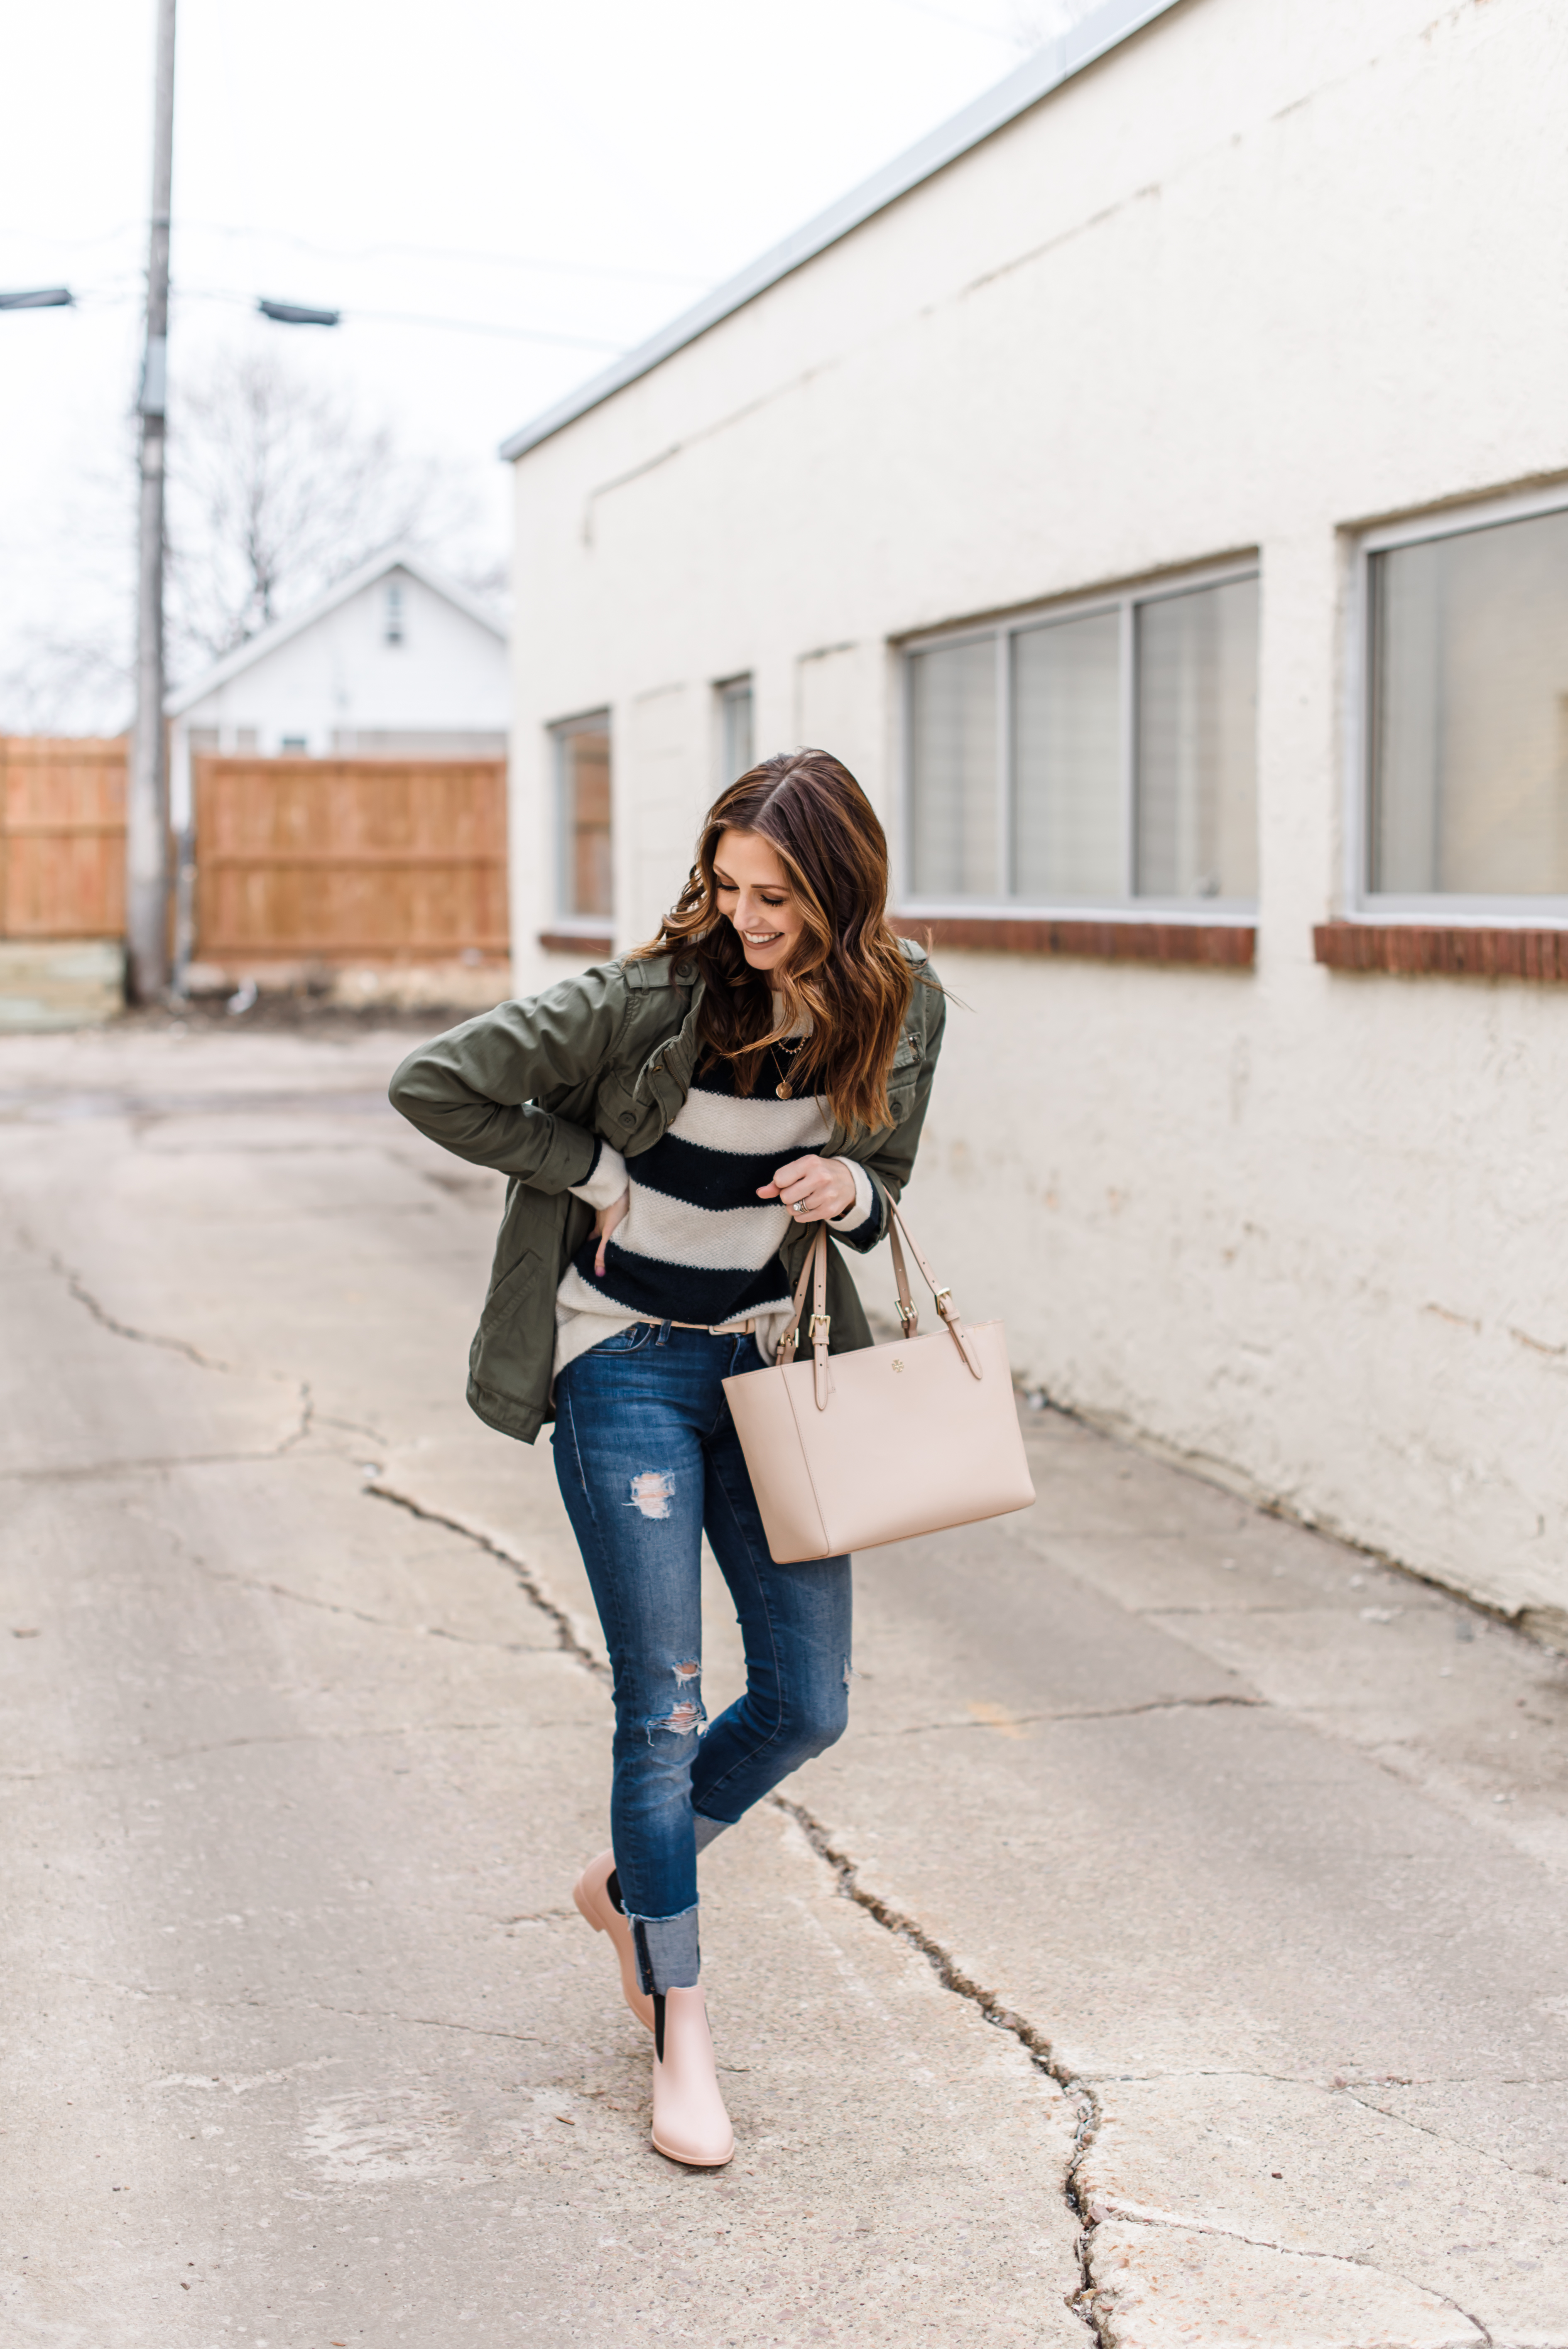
696, 1243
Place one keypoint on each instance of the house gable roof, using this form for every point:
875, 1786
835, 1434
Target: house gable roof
1104, 29
246, 655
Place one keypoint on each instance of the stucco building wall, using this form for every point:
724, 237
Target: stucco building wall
1271, 272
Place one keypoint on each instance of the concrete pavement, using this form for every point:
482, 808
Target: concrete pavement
1202, 1978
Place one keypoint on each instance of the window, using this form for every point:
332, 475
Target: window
1466, 735
394, 628
734, 751
1090, 755
582, 818
296, 745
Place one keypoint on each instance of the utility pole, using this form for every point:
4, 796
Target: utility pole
147, 812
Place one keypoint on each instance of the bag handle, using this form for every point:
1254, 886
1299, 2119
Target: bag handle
942, 1297
815, 1271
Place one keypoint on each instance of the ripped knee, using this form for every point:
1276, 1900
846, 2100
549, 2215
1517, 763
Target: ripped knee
652, 1493
686, 1716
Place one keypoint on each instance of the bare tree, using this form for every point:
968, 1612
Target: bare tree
276, 490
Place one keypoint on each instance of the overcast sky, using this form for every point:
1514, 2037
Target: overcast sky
575, 173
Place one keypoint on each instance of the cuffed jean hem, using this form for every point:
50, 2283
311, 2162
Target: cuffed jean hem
707, 1829
667, 1953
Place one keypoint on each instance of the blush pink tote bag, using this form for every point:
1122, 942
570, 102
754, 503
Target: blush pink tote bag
849, 1451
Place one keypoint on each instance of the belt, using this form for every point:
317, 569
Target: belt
735, 1330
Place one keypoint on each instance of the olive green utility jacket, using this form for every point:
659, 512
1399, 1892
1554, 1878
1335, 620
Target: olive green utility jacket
528, 1087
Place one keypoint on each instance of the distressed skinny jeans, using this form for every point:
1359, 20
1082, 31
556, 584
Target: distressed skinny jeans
647, 1459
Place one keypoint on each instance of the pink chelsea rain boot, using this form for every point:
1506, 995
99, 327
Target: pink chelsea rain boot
591, 1893
690, 2123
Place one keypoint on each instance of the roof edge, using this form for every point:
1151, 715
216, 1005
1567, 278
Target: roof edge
1103, 30
257, 647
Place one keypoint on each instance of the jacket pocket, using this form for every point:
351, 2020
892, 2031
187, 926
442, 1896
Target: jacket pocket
497, 1345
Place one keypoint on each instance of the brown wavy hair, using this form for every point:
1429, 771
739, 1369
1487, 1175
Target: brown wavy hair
848, 970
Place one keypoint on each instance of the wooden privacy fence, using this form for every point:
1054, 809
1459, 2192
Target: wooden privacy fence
385, 860
62, 837
391, 860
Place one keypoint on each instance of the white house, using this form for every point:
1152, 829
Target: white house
1156, 487
395, 662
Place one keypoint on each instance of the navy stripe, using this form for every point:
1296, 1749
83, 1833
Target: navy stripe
682, 1292
868, 1223
703, 1177
777, 1068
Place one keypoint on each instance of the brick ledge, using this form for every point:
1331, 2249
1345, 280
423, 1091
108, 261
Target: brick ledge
1431, 949
1217, 945
587, 943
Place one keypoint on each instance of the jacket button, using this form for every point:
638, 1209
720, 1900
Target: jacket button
628, 1117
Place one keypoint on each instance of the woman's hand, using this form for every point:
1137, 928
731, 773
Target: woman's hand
818, 1190
605, 1223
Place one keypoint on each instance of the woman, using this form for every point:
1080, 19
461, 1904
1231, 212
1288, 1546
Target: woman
676, 1124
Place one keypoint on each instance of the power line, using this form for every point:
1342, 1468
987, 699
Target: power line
448, 252
106, 297
381, 252
349, 317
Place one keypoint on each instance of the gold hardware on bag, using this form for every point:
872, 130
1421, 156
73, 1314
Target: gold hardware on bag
858, 1469
907, 1314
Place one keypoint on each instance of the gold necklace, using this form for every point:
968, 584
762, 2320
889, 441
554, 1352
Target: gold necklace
783, 1087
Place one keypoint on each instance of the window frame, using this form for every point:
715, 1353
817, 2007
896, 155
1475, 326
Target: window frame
1457, 909
1238, 913
727, 691
559, 732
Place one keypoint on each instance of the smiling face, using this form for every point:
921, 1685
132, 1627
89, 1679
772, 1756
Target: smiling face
755, 894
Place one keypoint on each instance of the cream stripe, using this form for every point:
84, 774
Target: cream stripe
575, 1297
715, 1239
761, 1125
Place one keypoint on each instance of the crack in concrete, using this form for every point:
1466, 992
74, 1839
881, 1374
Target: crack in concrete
1444, 2137
309, 2006
1078, 2089
1104, 1712
77, 1287
93, 1471
566, 1638
229, 1744
1035, 2043
200, 1565
1137, 2214
1338, 2082
358, 1614
306, 1420
1237, 1485
82, 1295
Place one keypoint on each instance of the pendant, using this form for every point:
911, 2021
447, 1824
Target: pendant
782, 1089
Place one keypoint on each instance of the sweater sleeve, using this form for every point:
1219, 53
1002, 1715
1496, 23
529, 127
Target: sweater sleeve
862, 1212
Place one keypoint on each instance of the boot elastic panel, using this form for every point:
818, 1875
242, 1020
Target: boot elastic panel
613, 1887
659, 2024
